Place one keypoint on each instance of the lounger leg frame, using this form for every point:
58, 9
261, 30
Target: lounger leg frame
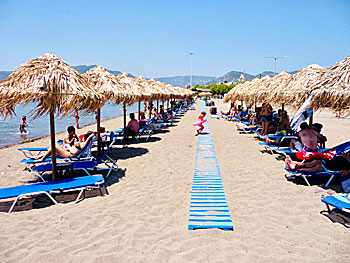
31, 194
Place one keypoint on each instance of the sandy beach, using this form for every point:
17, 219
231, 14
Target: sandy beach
145, 216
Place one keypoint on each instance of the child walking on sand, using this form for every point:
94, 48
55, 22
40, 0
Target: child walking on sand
201, 121
23, 125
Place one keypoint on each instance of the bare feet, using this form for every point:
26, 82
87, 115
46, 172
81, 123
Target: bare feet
290, 164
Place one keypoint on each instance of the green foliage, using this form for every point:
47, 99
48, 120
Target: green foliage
216, 88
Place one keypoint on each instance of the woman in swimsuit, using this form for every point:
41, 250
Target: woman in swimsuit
23, 125
265, 115
70, 151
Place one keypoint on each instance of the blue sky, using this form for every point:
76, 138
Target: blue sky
153, 38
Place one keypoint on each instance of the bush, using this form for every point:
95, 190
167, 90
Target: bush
216, 88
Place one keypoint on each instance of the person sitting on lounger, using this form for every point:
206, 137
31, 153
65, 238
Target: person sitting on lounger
70, 137
132, 128
142, 121
308, 139
340, 162
68, 152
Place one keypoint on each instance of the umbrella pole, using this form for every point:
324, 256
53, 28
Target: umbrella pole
157, 105
98, 132
150, 110
139, 109
311, 120
282, 117
124, 110
53, 143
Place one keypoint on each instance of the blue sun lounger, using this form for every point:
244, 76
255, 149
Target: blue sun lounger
84, 154
309, 174
85, 165
75, 184
339, 201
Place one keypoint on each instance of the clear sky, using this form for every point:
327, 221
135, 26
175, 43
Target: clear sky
153, 38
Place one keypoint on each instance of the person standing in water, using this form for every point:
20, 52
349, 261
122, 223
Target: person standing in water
76, 116
23, 125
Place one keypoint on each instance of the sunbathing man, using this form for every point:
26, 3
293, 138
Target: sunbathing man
340, 162
133, 127
308, 138
68, 152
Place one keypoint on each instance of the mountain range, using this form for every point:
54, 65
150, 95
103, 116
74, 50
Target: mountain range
179, 81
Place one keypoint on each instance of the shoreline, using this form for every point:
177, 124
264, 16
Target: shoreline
44, 136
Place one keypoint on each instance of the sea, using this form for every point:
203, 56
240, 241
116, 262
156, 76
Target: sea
40, 127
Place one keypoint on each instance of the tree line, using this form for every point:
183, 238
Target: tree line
217, 88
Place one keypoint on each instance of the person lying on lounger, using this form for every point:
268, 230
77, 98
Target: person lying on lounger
68, 152
340, 162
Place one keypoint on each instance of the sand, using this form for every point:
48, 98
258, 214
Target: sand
145, 216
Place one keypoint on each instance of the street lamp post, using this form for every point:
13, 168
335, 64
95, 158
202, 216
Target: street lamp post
191, 53
275, 58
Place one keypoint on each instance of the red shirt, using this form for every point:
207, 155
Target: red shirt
201, 117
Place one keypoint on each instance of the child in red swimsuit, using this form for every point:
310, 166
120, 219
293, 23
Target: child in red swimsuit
201, 118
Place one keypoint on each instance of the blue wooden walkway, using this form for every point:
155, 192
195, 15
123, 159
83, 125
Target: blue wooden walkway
209, 208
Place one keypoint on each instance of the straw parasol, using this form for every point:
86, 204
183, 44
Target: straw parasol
233, 94
107, 84
146, 89
54, 85
133, 89
295, 93
332, 88
276, 84
259, 90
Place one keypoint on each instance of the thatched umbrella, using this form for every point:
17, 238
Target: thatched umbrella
332, 88
295, 92
56, 87
107, 84
276, 86
132, 88
235, 92
145, 89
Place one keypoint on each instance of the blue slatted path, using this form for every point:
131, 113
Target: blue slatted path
209, 208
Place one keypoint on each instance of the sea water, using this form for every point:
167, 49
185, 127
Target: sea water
39, 127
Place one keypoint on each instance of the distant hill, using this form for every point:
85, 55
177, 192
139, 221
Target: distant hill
183, 81
4, 74
179, 81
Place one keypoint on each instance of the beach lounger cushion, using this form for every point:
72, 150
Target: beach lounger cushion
79, 183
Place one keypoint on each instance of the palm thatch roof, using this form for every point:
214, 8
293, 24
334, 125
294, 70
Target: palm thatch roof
332, 88
145, 87
132, 88
295, 93
243, 91
233, 93
258, 91
52, 83
275, 87
158, 91
106, 83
